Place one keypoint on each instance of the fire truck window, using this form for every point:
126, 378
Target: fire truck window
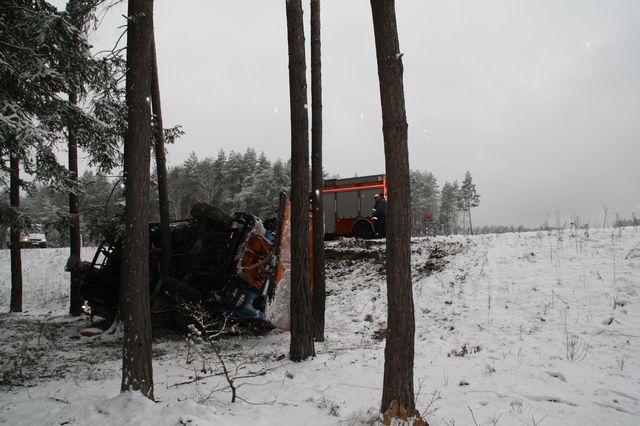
347, 204
329, 204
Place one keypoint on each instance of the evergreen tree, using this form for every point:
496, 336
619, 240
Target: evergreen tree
154, 197
161, 164
16, 257
44, 53
210, 176
219, 182
192, 182
317, 181
250, 162
246, 167
256, 194
263, 162
177, 192
101, 203
5, 210
397, 387
469, 198
78, 18
232, 177
137, 372
281, 178
448, 215
302, 345
424, 199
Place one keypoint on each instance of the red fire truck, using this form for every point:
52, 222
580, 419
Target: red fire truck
348, 204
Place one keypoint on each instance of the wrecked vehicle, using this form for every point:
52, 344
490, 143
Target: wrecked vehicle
226, 264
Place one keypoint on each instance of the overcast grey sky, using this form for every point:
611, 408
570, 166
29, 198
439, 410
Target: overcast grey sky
540, 100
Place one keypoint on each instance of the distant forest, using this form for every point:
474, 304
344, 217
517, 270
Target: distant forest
233, 181
251, 182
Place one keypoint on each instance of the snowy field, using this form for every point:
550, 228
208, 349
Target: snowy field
532, 328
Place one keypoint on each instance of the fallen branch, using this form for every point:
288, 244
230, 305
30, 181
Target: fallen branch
222, 373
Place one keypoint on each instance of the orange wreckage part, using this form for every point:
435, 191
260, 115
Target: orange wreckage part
282, 281
255, 261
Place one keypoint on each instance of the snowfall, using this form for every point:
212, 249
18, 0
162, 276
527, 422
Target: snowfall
539, 328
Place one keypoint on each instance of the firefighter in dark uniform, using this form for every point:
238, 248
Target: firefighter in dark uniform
380, 214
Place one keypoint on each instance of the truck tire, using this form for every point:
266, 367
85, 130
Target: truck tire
363, 230
213, 214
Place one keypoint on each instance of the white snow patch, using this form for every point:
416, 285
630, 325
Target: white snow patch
511, 300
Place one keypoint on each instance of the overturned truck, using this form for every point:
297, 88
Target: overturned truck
227, 264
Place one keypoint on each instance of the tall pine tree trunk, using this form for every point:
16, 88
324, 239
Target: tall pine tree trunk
79, 16
317, 181
137, 374
75, 299
16, 255
301, 333
161, 165
399, 348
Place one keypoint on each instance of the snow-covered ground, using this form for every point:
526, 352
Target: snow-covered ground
532, 328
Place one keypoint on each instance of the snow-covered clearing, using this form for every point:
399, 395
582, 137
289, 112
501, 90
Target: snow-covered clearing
531, 328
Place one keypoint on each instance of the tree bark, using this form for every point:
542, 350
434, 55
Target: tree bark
161, 165
301, 334
4, 234
137, 372
75, 243
16, 255
317, 180
399, 348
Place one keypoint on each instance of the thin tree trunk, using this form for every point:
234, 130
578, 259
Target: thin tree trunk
16, 255
301, 334
75, 243
137, 374
399, 348
3, 236
470, 225
317, 181
161, 166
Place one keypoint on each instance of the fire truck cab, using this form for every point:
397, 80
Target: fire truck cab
348, 204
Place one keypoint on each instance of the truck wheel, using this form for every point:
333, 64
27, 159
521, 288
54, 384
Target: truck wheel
363, 230
211, 213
